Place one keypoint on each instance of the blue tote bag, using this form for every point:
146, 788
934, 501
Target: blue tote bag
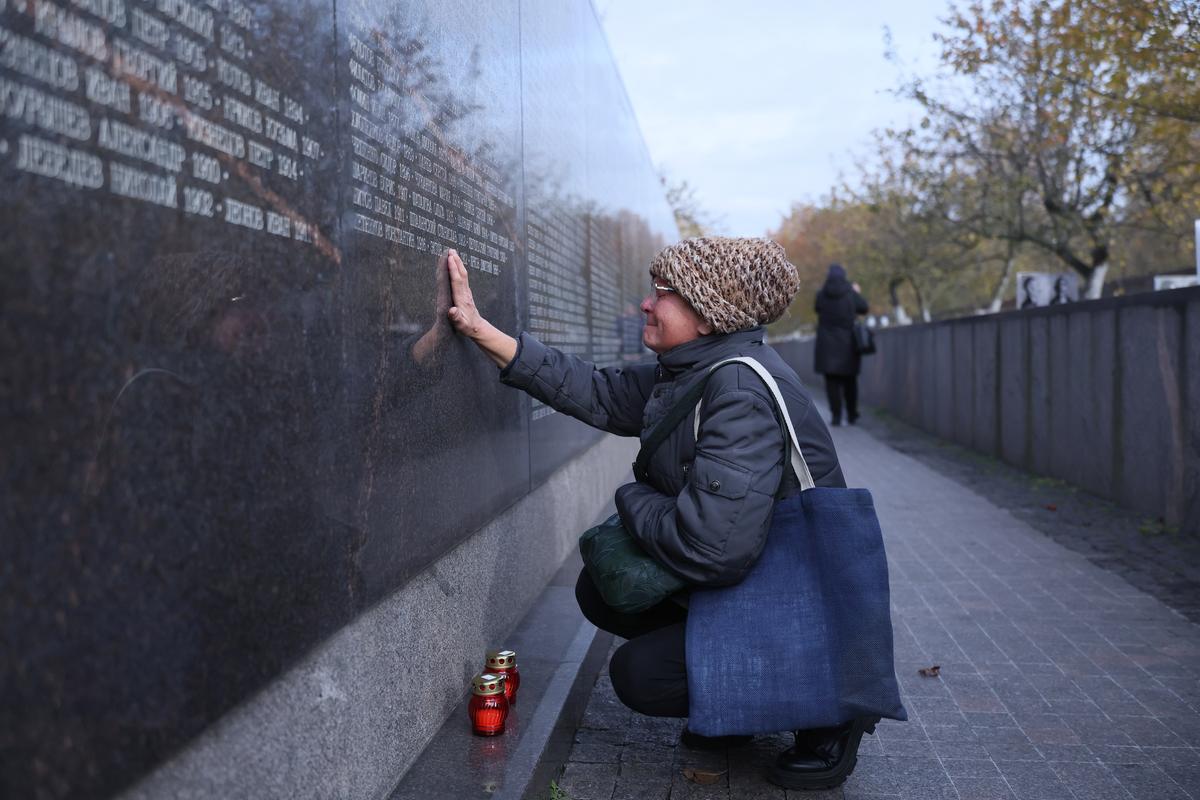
805, 640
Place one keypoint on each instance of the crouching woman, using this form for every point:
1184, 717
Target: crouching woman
705, 505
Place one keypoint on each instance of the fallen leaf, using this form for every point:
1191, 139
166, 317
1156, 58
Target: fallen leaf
701, 776
930, 672
1050, 507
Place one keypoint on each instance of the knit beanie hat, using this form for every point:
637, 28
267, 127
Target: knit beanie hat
733, 284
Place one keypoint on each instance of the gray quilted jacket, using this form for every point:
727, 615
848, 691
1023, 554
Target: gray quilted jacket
706, 510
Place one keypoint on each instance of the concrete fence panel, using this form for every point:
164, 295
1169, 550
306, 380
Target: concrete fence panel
913, 407
925, 357
1062, 411
1013, 380
1092, 385
943, 381
1151, 440
961, 388
984, 367
1102, 394
1038, 343
1190, 508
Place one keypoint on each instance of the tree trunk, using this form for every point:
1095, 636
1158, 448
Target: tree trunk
1002, 286
898, 313
1094, 285
925, 315
901, 315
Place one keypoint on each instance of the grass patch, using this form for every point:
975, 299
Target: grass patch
1046, 482
1157, 527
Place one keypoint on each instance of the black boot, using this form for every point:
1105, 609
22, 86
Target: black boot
821, 758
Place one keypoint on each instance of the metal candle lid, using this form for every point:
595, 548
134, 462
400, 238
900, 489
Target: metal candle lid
487, 684
501, 659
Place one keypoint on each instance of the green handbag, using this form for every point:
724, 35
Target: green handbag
628, 578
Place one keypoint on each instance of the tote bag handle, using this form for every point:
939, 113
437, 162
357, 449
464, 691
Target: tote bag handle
799, 465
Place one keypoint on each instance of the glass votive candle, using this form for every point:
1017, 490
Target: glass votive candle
504, 662
488, 707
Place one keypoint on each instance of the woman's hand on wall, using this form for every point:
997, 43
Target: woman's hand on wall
462, 312
466, 319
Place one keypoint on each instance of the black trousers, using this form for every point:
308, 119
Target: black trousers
835, 387
649, 672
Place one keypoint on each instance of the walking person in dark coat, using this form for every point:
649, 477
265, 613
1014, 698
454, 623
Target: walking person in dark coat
838, 305
705, 509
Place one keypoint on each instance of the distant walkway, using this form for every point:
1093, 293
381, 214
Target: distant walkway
1059, 679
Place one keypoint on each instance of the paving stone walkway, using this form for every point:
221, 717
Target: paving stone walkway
1157, 558
1059, 679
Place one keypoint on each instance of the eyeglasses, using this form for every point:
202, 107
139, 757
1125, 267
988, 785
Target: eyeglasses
661, 289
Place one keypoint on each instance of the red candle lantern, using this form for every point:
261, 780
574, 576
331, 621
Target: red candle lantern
488, 707
504, 662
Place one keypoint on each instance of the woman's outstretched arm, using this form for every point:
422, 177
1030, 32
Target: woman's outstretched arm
611, 398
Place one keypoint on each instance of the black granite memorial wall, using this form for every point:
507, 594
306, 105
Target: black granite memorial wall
233, 414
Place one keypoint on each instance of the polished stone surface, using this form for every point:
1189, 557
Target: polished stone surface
233, 416
589, 249
355, 712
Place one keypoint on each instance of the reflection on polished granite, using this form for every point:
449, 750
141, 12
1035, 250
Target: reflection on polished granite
234, 415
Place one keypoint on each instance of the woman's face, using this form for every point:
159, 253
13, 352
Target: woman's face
670, 320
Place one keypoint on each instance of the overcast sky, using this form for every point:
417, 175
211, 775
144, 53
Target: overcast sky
759, 103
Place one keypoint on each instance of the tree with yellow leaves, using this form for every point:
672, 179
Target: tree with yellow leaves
1079, 116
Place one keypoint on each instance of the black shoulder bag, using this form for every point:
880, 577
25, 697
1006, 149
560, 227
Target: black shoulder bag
864, 339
